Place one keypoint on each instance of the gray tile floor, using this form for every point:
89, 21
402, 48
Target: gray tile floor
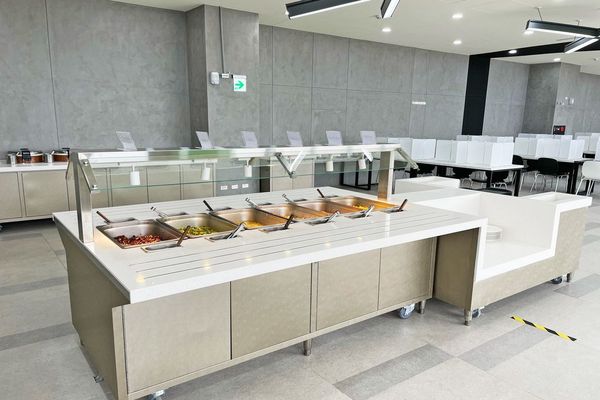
431, 356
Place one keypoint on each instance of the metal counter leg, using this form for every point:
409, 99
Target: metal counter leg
570, 276
422, 306
307, 347
468, 317
156, 396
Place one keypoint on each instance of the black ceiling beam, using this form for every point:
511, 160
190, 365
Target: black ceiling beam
536, 50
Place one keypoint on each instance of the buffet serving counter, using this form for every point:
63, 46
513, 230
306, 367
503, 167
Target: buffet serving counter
152, 319
526, 241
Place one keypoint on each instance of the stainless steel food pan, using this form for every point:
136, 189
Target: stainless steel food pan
138, 228
181, 222
362, 203
237, 216
327, 206
300, 213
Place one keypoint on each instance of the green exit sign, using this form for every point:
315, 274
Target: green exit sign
239, 83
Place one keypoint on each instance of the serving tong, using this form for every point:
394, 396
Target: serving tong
111, 221
162, 246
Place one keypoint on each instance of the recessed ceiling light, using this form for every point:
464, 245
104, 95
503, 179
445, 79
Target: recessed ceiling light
387, 29
457, 16
557, 59
528, 32
457, 42
512, 51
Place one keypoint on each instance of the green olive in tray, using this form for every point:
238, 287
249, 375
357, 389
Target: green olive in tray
199, 230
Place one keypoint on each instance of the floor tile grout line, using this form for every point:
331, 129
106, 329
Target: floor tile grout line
43, 334
33, 285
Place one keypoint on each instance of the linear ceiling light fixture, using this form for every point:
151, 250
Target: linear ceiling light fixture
388, 7
303, 8
579, 44
563, 29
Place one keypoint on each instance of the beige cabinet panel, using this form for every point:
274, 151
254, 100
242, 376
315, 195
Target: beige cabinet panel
348, 288
281, 184
99, 199
10, 198
192, 185
280, 181
269, 309
304, 176
406, 272
176, 335
170, 177
45, 192
122, 192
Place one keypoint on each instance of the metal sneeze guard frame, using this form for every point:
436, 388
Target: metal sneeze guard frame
81, 167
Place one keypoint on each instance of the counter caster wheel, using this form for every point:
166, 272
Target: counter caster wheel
477, 313
557, 281
406, 312
156, 396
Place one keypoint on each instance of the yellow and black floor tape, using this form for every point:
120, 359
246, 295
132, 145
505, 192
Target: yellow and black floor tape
543, 328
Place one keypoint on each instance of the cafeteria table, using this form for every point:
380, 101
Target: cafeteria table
442, 169
572, 166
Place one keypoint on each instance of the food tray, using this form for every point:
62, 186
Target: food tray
327, 206
361, 203
138, 228
181, 222
237, 216
300, 213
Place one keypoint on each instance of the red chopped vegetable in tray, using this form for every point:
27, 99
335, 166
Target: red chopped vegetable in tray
137, 240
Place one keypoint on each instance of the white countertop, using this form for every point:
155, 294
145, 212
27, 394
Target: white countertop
478, 167
200, 263
530, 224
57, 166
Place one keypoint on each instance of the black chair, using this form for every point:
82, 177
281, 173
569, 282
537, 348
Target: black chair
462, 174
498, 178
425, 169
549, 167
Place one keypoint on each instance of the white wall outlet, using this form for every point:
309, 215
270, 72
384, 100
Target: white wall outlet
224, 187
234, 187
214, 78
245, 186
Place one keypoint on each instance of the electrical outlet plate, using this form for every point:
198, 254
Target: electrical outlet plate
214, 78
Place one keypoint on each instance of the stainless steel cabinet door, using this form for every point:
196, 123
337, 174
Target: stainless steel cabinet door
348, 288
406, 272
173, 336
45, 192
269, 309
10, 199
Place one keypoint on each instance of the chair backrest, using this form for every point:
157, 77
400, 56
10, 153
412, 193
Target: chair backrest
517, 160
591, 169
547, 166
497, 176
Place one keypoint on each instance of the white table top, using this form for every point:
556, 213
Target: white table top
562, 160
200, 263
478, 167
57, 166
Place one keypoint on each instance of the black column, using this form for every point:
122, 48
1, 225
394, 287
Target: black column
477, 81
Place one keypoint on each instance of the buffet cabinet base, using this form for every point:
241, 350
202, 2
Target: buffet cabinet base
455, 276
143, 348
